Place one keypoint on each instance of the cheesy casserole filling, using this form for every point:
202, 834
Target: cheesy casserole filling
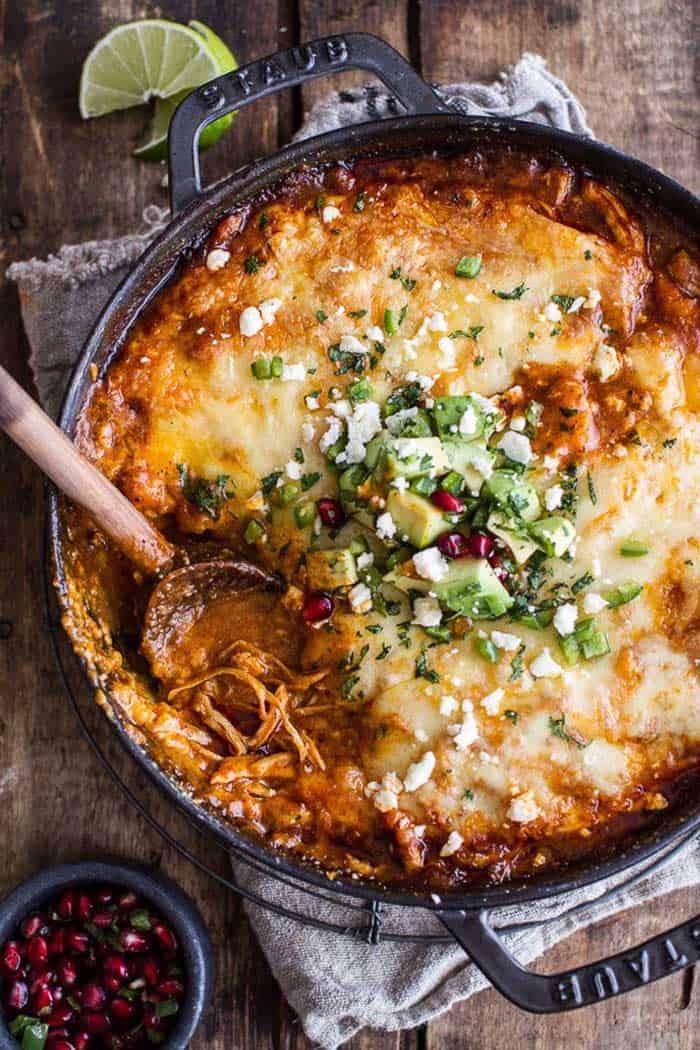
455, 403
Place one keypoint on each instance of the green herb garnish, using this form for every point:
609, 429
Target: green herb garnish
516, 293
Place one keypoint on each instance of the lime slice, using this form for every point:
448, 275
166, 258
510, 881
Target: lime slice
139, 61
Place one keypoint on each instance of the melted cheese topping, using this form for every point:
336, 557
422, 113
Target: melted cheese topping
516, 757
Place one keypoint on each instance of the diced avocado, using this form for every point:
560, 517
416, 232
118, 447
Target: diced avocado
359, 545
554, 535
424, 486
399, 577
417, 426
348, 483
516, 496
373, 450
331, 568
449, 412
472, 459
416, 517
472, 588
517, 539
410, 457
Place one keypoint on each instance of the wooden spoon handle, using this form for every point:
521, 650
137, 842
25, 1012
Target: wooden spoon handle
45, 443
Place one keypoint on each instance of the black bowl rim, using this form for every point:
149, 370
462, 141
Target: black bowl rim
179, 910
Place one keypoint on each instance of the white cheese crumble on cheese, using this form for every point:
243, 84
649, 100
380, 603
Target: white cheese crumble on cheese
577, 304
468, 424
430, 564
295, 373
250, 321
217, 259
420, 772
364, 424
464, 733
307, 432
437, 323
427, 612
565, 619
268, 309
312, 403
386, 529
552, 312
594, 603
375, 333
508, 642
454, 842
385, 800
553, 497
360, 598
491, 703
421, 735
543, 666
293, 470
364, 560
401, 483
448, 350
395, 422
593, 299
448, 705
518, 423
335, 429
350, 344
523, 809
550, 464
606, 362
330, 213
516, 447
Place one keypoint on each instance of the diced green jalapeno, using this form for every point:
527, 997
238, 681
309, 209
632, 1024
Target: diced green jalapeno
486, 648
286, 493
276, 367
596, 645
360, 390
622, 594
570, 649
468, 266
253, 531
34, 1037
633, 549
304, 514
391, 323
261, 368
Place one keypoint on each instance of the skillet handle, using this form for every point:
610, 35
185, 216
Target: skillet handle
318, 58
659, 956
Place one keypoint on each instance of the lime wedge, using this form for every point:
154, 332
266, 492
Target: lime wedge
154, 59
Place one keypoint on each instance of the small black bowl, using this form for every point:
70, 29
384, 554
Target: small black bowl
169, 900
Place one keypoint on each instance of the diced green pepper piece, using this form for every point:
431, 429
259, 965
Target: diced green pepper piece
391, 323
622, 594
276, 367
453, 482
305, 514
596, 645
585, 629
254, 530
22, 1021
570, 649
633, 549
34, 1037
441, 633
486, 648
468, 266
261, 368
286, 493
424, 486
360, 390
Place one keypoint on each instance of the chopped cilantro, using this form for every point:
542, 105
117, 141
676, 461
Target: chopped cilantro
423, 671
470, 333
516, 293
207, 496
251, 265
408, 282
346, 360
263, 220
321, 316
268, 483
468, 794
592, 495
298, 455
588, 255
557, 727
348, 685
356, 314
516, 664
511, 715
669, 442
360, 202
564, 301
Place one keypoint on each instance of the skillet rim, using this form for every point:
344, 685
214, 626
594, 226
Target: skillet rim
161, 259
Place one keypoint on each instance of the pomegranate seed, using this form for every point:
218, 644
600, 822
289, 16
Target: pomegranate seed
116, 966
105, 895
447, 502
57, 941
37, 952
127, 902
66, 905
452, 544
151, 1018
58, 1040
81, 1040
134, 941
11, 960
93, 996
77, 941
480, 545
62, 1014
151, 970
123, 1012
67, 971
318, 606
16, 995
31, 926
172, 988
61, 1044
103, 919
84, 908
42, 1001
41, 980
165, 936
112, 984
498, 567
330, 512
94, 1024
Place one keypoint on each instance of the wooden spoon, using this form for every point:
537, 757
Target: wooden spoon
188, 581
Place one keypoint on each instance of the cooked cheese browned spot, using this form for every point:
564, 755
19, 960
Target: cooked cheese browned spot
433, 747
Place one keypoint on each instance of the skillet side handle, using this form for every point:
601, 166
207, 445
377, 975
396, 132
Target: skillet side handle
658, 957
237, 89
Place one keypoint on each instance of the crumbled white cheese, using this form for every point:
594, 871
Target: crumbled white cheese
436, 286
593, 299
427, 612
401, 483
424, 382
577, 304
364, 560
293, 470
553, 497
330, 213
468, 424
543, 666
295, 373
596, 568
375, 333
448, 705
465, 733
430, 564
312, 403
420, 734
419, 772
268, 309
594, 603
385, 526
518, 423
360, 598
307, 432
335, 429
606, 362
523, 808
550, 464
454, 842
395, 422
508, 642
437, 323
217, 259
350, 344
448, 350
385, 800
364, 424
565, 619
250, 322
516, 446
341, 408
552, 312
201, 330
492, 702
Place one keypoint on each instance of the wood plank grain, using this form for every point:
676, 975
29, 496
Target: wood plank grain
631, 64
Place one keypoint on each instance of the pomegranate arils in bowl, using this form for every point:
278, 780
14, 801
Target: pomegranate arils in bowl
114, 973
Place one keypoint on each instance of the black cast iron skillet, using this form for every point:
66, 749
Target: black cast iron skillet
428, 124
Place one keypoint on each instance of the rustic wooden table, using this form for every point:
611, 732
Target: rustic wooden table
64, 180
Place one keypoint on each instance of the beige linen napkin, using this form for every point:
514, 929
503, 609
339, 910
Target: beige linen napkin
335, 983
